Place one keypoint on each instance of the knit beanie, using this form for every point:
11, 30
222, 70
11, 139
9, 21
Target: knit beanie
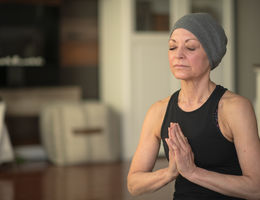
210, 34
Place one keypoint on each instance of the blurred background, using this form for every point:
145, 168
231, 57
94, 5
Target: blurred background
77, 76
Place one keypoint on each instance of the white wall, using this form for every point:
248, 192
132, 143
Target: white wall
115, 88
134, 69
248, 46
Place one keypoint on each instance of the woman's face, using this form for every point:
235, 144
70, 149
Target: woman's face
187, 58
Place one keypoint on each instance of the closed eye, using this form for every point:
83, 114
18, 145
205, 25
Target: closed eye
172, 48
191, 49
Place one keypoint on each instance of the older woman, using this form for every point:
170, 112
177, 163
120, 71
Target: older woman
209, 133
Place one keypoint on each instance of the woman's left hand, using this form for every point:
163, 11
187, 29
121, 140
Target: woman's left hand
183, 153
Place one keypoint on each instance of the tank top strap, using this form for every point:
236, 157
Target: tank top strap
172, 102
174, 97
216, 96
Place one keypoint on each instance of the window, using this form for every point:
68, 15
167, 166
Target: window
152, 15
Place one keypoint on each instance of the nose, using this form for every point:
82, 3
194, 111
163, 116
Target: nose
179, 52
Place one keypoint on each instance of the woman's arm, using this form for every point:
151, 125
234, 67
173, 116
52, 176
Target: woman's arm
141, 178
240, 123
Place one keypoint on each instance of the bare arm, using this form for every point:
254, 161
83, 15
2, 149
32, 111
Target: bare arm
240, 123
141, 177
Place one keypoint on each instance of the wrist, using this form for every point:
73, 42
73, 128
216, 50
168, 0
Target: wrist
171, 175
192, 176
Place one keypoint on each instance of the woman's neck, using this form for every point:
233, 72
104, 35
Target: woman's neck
192, 94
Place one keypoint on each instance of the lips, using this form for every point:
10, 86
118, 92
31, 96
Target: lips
180, 66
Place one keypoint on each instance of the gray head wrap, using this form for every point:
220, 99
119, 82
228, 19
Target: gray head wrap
210, 34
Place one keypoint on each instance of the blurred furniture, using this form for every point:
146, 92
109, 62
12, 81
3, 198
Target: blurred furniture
6, 151
23, 106
29, 101
74, 133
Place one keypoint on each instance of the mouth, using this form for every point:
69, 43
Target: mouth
180, 66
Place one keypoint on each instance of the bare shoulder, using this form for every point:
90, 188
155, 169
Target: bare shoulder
237, 114
234, 102
155, 115
159, 107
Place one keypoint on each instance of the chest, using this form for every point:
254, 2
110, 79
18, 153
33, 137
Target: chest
208, 144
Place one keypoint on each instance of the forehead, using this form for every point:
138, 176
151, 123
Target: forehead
181, 33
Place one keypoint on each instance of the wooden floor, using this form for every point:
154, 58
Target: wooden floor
43, 181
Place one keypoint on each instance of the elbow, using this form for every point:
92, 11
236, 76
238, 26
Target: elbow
254, 194
132, 191
132, 187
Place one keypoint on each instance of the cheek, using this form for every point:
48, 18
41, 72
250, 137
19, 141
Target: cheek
170, 58
200, 61
205, 62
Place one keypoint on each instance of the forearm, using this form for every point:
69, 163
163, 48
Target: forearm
230, 185
143, 182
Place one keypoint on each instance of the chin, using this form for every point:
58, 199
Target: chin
181, 73
181, 76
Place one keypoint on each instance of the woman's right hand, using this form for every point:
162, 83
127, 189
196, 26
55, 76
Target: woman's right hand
172, 168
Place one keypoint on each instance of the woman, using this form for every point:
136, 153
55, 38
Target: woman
209, 134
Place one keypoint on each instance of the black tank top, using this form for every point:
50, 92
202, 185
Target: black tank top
212, 151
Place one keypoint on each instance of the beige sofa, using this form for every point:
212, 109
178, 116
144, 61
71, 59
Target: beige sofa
74, 133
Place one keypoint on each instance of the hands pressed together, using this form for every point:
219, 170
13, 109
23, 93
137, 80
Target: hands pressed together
181, 157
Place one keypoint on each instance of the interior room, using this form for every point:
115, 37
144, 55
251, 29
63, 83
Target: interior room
77, 78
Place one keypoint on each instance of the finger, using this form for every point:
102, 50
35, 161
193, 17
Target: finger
174, 146
184, 143
174, 143
173, 140
170, 131
180, 139
171, 150
171, 145
168, 142
171, 124
171, 156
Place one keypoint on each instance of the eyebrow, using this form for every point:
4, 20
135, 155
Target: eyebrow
185, 40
